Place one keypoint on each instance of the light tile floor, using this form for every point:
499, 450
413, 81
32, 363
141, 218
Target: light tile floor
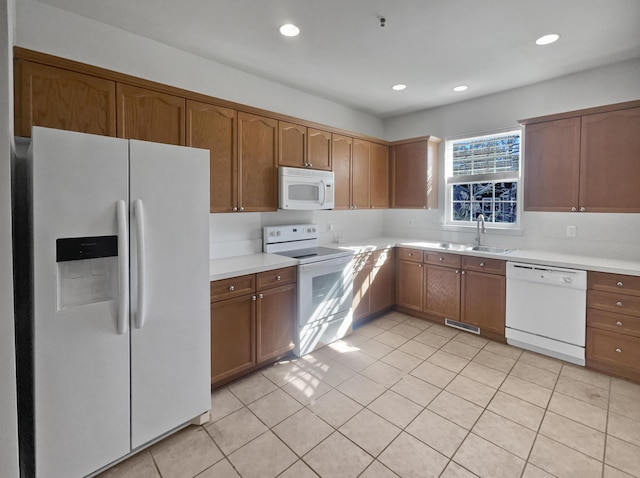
405, 397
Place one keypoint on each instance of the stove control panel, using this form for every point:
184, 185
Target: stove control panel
294, 232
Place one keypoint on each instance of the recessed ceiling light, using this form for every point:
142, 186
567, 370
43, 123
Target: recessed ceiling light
398, 87
546, 39
460, 88
289, 30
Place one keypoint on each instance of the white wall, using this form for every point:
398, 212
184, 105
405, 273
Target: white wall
8, 410
51, 30
607, 235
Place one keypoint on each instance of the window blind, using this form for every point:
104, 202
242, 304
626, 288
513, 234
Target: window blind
485, 158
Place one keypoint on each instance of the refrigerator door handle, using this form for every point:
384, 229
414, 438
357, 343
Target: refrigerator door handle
123, 268
138, 212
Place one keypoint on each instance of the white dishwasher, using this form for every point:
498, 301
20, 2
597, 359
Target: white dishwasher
546, 310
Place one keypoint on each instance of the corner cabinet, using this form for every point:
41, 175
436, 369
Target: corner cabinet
584, 161
252, 321
414, 173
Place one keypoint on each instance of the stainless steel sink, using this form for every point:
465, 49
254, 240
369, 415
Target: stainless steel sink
490, 249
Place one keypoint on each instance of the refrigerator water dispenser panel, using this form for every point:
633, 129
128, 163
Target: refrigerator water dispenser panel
87, 270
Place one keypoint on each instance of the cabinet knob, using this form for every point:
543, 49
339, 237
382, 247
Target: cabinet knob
260, 296
278, 278
619, 284
462, 272
235, 209
482, 264
254, 298
619, 351
441, 258
419, 265
241, 208
457, 271
619, 324
573, 209
232, 288
583, 209
410, 254
309, 165
619, 304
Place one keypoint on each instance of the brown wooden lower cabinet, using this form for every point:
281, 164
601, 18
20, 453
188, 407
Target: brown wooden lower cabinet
483, 302
410, 285
252, 321
373, 283
613, 324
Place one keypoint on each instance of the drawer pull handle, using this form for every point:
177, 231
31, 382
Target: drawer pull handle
232, 288
619, 284
482, 264
619, 304
410, 254
278, 278
619, 324
441, 259
619, 351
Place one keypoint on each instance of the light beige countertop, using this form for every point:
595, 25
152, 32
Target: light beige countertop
248, 264
253, 263
555, 259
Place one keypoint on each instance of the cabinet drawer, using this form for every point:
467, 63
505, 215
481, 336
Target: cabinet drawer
276, 277
618, 303
482, 264
442, 259
413, 255
614, 349
623, 324
232, 287
618, 283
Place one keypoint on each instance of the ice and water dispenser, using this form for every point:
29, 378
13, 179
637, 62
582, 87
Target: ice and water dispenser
87, 270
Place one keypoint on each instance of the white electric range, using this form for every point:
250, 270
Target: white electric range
325, 284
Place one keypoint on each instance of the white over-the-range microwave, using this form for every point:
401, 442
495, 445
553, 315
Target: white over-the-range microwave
305, 189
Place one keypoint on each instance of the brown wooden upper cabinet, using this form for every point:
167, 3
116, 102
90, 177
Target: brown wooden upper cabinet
62, 99
341, 151
360, 174
584, 161
257, 163
379, 176
303, 147
150, 115
216, 128
414, 173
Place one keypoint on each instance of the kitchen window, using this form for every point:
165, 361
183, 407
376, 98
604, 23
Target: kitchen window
483, 176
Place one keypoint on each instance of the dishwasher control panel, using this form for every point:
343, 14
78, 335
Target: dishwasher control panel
547, 275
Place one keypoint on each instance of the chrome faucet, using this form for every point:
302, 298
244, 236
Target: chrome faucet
480, 219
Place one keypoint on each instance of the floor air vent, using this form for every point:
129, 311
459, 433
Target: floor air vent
459, 325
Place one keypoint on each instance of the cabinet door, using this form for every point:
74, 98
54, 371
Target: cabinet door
293, 145
382, 279
360, 174
412, 182
276, 320
442, 292
319, 149
215, 128
552, 165
483, 301
233, 336
150, 115
410, 285
341, 165
361, 286
379, 180
62, 99
610, 161
257, 158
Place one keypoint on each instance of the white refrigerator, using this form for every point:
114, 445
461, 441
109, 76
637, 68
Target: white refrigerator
119, 307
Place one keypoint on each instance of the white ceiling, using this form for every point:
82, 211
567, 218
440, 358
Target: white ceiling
343, 54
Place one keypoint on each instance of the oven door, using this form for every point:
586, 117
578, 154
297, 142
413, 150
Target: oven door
325, 290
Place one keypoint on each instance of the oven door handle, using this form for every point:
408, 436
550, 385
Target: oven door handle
337, 263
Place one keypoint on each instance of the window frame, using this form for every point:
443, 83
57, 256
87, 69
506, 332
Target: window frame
450, 180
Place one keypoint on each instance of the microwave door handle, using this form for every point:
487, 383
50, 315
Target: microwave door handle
324, 193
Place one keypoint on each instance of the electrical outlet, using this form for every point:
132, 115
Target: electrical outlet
329, 226
572, 231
